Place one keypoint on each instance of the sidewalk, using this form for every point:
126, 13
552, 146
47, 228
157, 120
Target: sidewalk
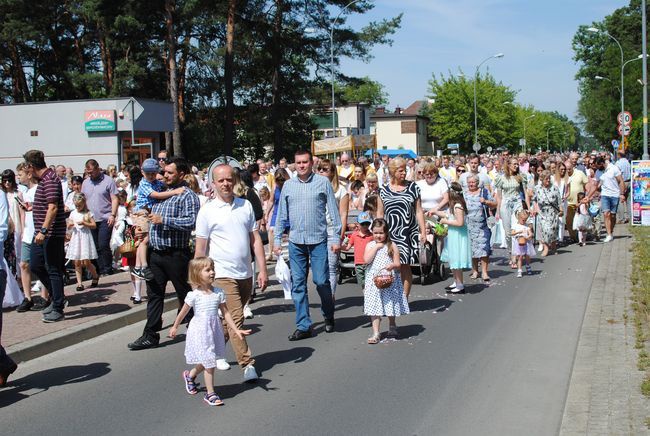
604, 395
90, 313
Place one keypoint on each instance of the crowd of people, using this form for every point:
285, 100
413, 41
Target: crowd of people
213, 237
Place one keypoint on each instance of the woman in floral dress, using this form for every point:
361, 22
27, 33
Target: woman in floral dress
548, 204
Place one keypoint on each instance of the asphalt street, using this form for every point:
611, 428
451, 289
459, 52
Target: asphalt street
495, 361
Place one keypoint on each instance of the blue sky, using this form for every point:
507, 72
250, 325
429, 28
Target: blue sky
441, 35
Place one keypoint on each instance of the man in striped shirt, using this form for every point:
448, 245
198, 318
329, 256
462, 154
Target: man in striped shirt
47, 255
304, 202
169, 251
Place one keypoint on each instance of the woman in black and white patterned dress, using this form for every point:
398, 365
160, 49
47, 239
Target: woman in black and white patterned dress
400, 205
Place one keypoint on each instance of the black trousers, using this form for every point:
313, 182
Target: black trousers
5, 360
166, 265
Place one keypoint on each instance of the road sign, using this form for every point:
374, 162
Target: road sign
615, 143
522, 142
489, 149
623, 130
624, 118
476, 147
452, 146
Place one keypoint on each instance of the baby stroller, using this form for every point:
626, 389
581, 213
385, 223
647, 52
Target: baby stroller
346, 263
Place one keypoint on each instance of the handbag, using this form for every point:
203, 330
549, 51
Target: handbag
128, 247
522, 240
384, 279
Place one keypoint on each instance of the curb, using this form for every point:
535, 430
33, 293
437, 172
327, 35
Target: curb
34, 348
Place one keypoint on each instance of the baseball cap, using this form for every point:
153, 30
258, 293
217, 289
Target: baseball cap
150, 166
364, 218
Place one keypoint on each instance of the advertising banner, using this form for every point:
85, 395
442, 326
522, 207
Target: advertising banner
99, 121
640, 192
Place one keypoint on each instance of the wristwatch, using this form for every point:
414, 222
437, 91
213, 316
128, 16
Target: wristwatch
44, 230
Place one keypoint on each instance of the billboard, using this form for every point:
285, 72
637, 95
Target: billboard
640, 188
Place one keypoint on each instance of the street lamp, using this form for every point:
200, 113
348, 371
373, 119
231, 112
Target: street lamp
332, 62
476, 144
527, 118
547, 132
595, 30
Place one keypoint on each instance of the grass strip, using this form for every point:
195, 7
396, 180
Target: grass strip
641, 299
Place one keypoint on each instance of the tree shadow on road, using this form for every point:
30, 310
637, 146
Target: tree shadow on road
105, 309
44, 380
438, 304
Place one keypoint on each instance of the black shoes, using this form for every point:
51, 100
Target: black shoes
329, 325
299, 335
41, 304
5, 372
144, 342
25, 306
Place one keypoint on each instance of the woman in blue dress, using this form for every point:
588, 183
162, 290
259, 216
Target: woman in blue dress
458, 250
479, 201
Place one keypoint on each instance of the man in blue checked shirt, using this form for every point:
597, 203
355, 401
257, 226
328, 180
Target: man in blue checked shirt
172, 223
303, 203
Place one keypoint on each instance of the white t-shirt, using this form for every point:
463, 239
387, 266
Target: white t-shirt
338, 196
28, 232
227, 227
608, 182
431, 195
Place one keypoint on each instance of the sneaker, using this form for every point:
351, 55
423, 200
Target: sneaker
519, 273
39, 304
146, 273
459, 289
222, 365
250, 375
53, 316
144, 342
25, 306
49, 308
248, 313
608, 238
540, 247
529, 270
37, 286
137, 273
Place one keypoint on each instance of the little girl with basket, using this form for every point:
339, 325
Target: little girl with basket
522, 242
582, 221
383, 293
204, 343
81, 248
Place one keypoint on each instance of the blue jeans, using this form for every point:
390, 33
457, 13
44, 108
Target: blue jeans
47, 263
299, 259
102, 238
609, 204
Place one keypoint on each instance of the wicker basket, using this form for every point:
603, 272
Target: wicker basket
384, 279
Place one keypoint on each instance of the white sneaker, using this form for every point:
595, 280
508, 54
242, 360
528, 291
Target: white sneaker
609, 238
37, 286
248, 313
519, 273
540, 247
223, 365
250, 374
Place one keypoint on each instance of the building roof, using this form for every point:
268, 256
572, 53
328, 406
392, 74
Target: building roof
414, 108
401, 116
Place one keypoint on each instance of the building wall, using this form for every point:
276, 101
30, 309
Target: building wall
390, 136
356, 117
61, 133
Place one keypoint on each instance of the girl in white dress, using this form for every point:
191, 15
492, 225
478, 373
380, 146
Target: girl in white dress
204, 343
382, 258
81, 248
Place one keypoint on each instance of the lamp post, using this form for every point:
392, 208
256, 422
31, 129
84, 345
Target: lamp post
595, 30
547, 132
495, 56
332, 62
524, 145
645, 80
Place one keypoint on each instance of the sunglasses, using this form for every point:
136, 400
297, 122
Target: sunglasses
163, 159
324, 170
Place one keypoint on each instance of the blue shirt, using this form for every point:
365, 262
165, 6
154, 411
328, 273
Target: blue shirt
178, 220
143, 197
626, 170
304, 205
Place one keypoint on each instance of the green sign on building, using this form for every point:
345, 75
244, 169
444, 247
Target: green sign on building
100, 121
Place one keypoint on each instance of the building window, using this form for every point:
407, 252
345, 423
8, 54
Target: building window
33, 133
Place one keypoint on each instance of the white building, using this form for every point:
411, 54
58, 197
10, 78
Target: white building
352, 119
71, 132
401, 131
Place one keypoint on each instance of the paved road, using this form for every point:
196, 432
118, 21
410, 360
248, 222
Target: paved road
494, 361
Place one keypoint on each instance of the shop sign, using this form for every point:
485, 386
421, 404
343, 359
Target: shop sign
99, 121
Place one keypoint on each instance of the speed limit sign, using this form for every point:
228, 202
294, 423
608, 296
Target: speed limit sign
624, 118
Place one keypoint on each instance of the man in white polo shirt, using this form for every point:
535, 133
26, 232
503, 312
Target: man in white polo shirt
612, 190
226, 231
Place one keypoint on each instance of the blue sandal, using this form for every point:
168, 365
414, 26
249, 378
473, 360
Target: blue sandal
213, 399
190, 385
